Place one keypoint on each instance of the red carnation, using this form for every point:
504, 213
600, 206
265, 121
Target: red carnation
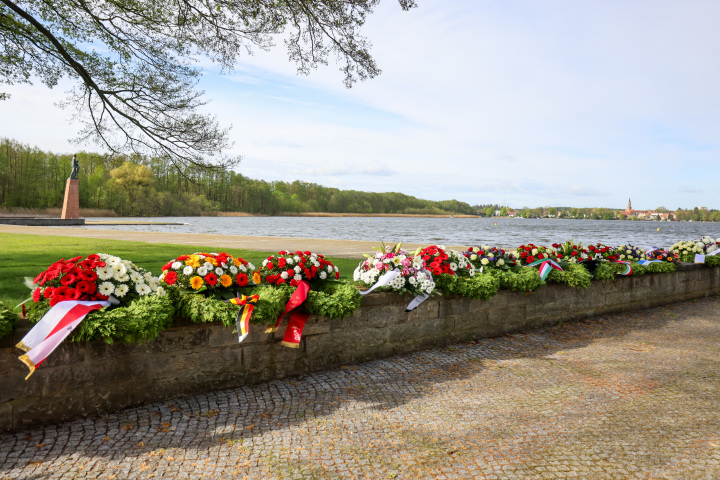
37, 295
337, 275
290, 272
280, 280
281, 262
167, 266
270, 265
270, 278
293, 282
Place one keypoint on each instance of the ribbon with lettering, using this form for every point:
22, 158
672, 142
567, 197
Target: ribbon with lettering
387, 278
243, 319
53, 328
293, 332
546, 266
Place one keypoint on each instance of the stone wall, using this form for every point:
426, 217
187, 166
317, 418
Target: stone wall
81, 379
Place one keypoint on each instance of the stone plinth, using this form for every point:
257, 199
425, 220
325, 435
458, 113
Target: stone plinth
71, 204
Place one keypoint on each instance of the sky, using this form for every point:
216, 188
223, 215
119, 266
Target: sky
517, 102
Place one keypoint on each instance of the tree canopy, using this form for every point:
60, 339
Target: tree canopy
135, 63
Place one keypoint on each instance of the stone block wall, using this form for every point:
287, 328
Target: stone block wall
81, 379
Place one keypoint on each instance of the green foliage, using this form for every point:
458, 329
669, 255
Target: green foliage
481, 286
7, 320
334, 300
518, 279
140, 321
712, 260
573, 275
661, 267
201, 309
605, 272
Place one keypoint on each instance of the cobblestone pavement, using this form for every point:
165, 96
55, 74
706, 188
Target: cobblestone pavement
632, 395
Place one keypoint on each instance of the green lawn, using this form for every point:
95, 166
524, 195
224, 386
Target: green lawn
28, 255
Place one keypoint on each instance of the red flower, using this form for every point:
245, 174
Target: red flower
241, 279
48, 292
171, 277
88, 275
68, 280
182, 258
271, 278
269, 265
540, 256
280, 280
293, 282
37, 295
166, 267
281, 262
85, 287
529, 259
211, 279
337, 275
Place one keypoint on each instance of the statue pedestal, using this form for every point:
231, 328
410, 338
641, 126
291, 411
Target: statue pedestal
71, 204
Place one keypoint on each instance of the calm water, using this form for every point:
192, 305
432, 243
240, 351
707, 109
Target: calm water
508, 233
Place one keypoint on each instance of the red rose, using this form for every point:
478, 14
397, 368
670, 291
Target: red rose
574, 253
541, 256
170, 277
529, 259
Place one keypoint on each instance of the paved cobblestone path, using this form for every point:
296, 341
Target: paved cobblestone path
633, 395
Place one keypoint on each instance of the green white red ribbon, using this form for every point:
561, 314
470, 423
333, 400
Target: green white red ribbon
628, 267
546, 266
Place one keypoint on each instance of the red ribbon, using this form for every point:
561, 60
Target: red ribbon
293, 332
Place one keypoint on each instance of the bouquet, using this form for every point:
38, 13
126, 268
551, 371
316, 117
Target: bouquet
490, 257
292, 268
97, 277
603, 252
206, 271
687, 250
663, 255
631, 253
570, 252
446, 262
413, 277
527, 254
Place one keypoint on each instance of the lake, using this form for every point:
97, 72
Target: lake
502, 232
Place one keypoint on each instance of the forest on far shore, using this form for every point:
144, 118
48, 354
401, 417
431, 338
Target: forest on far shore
138, 186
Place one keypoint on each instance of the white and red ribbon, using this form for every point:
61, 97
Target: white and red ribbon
385, 280
546, 266
53, 328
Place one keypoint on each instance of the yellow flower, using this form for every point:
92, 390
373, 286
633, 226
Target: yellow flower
212, 261
193, 261
256, 278
225, 280
196, 282
237, 262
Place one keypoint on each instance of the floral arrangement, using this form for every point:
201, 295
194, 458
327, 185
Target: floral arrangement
570, 252
414, 277
97, 277
663, 255
201, 271
530, 253
603, 252
687, 250
490, 257
292, 268
630, 253
446, 262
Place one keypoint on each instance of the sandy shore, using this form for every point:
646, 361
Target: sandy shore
333, 248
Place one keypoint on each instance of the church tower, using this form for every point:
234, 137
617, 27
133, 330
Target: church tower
629, 205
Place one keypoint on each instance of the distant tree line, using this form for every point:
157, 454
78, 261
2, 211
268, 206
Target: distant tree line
139, 186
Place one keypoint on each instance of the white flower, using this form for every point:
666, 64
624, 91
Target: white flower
153, 286
105, 273
265, 262
188, 270
160, 292
143, 289
297, 277
296, 258
284, 275
356, 274
323, 275
330, 269
453, 266
176, 265
121, 290
289, 261
250, 266
106, 288
501, 262
136, 277
534, 251
233, 269
244, 269
149, 277
297, 269
119, 268
484, 261
208, 266
412, 281
219, 272
122, 278
202, 271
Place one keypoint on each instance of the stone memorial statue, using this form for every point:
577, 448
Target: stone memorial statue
75, 168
